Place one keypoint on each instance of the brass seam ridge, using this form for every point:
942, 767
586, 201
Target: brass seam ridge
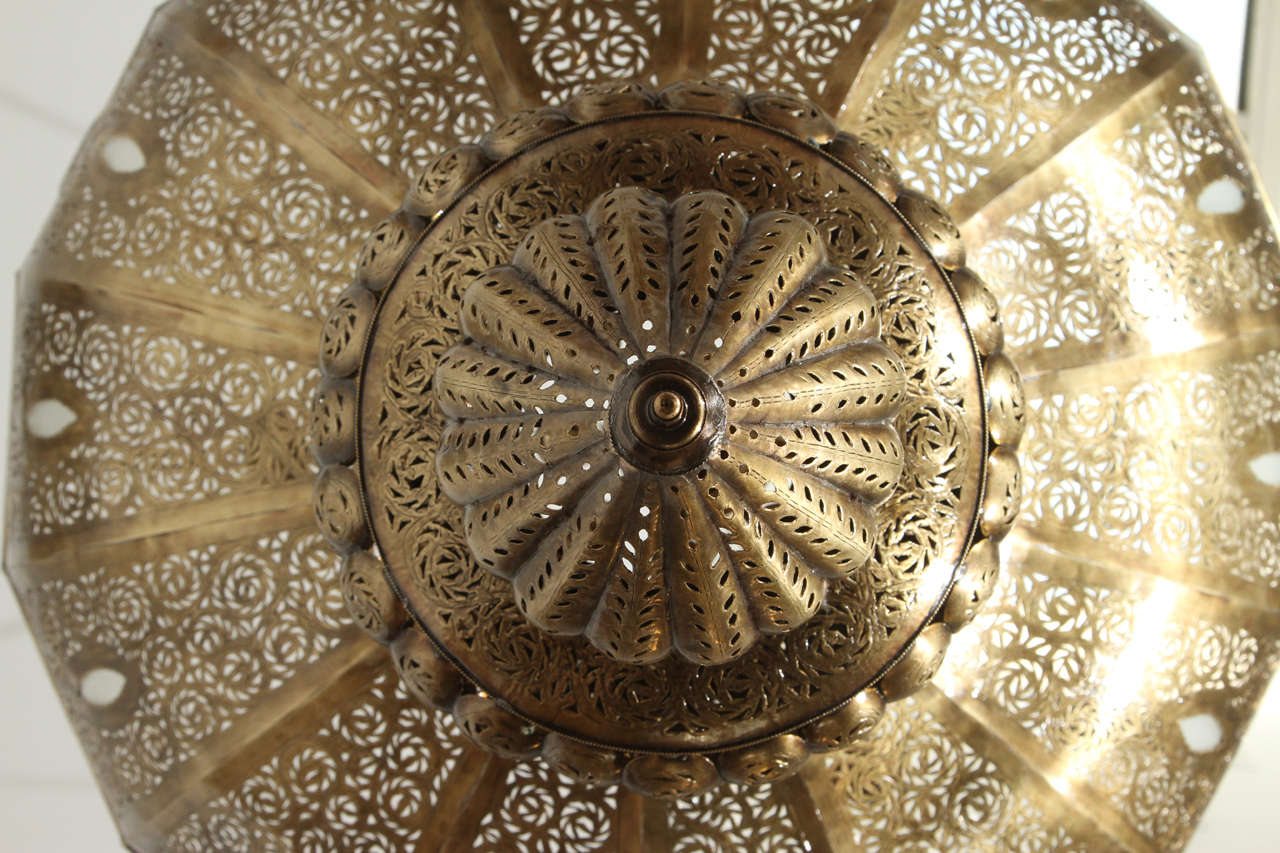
805, 813
477, 772
484, 799
627, 830
879, 57
1015, 751
80, 560
332, 152
1206, 355
336, 680
1094, 116
125, 296
688, 51
501, 55
1061, 544
848, 65
174, 521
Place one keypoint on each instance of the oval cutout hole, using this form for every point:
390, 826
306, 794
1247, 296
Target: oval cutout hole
101, 686
48, 418
1202, 732
122, 154
1267, 468
1220, 197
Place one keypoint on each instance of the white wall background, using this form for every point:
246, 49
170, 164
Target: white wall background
59, 60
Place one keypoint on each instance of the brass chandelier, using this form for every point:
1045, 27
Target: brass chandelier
820, 425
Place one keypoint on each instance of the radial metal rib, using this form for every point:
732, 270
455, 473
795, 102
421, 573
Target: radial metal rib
337, 157
128, 296
894, 24
1064, 553
683, 48
172, 526
503, 57
1085, 812
464, 804
311, 696
1133, 88
1128, 365
847, 69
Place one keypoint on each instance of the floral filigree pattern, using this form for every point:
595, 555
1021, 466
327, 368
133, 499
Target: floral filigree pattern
1140, 587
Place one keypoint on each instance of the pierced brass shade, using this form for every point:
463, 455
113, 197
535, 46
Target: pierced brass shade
747, 425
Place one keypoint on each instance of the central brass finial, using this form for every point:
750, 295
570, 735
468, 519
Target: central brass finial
667, 408
667, 416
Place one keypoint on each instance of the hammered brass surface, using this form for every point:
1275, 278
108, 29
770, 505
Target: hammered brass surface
540, 474
165, 531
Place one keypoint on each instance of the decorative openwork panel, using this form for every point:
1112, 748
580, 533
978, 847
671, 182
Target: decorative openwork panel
161, 533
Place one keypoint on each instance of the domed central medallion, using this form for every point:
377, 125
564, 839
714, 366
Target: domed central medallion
670, 424
723, 459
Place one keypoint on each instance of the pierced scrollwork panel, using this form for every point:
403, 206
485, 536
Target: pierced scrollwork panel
574, 45
804, 47
543, 811
402, 78
975, 82
733, 817
1058, 626
917, 784
199, 637
368, 776
150, 420
1153, 464
266, 232
1188, 256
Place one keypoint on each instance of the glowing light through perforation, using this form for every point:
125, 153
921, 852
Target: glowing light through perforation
1124, 677
1164, 316
1266, 468
1166, 325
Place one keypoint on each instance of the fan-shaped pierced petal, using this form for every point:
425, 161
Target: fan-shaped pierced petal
629, 230
860, 382
862, 459
504, 530
783, 592
558, 255
710, 619
471, 383
559, 586
507, 313
774, 260
833, 310
630, 623
820, 523
705, 227
479, 459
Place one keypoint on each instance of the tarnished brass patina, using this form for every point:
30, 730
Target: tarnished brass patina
1040, 211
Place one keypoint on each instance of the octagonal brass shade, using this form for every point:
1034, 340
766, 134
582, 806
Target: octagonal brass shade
286, 265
